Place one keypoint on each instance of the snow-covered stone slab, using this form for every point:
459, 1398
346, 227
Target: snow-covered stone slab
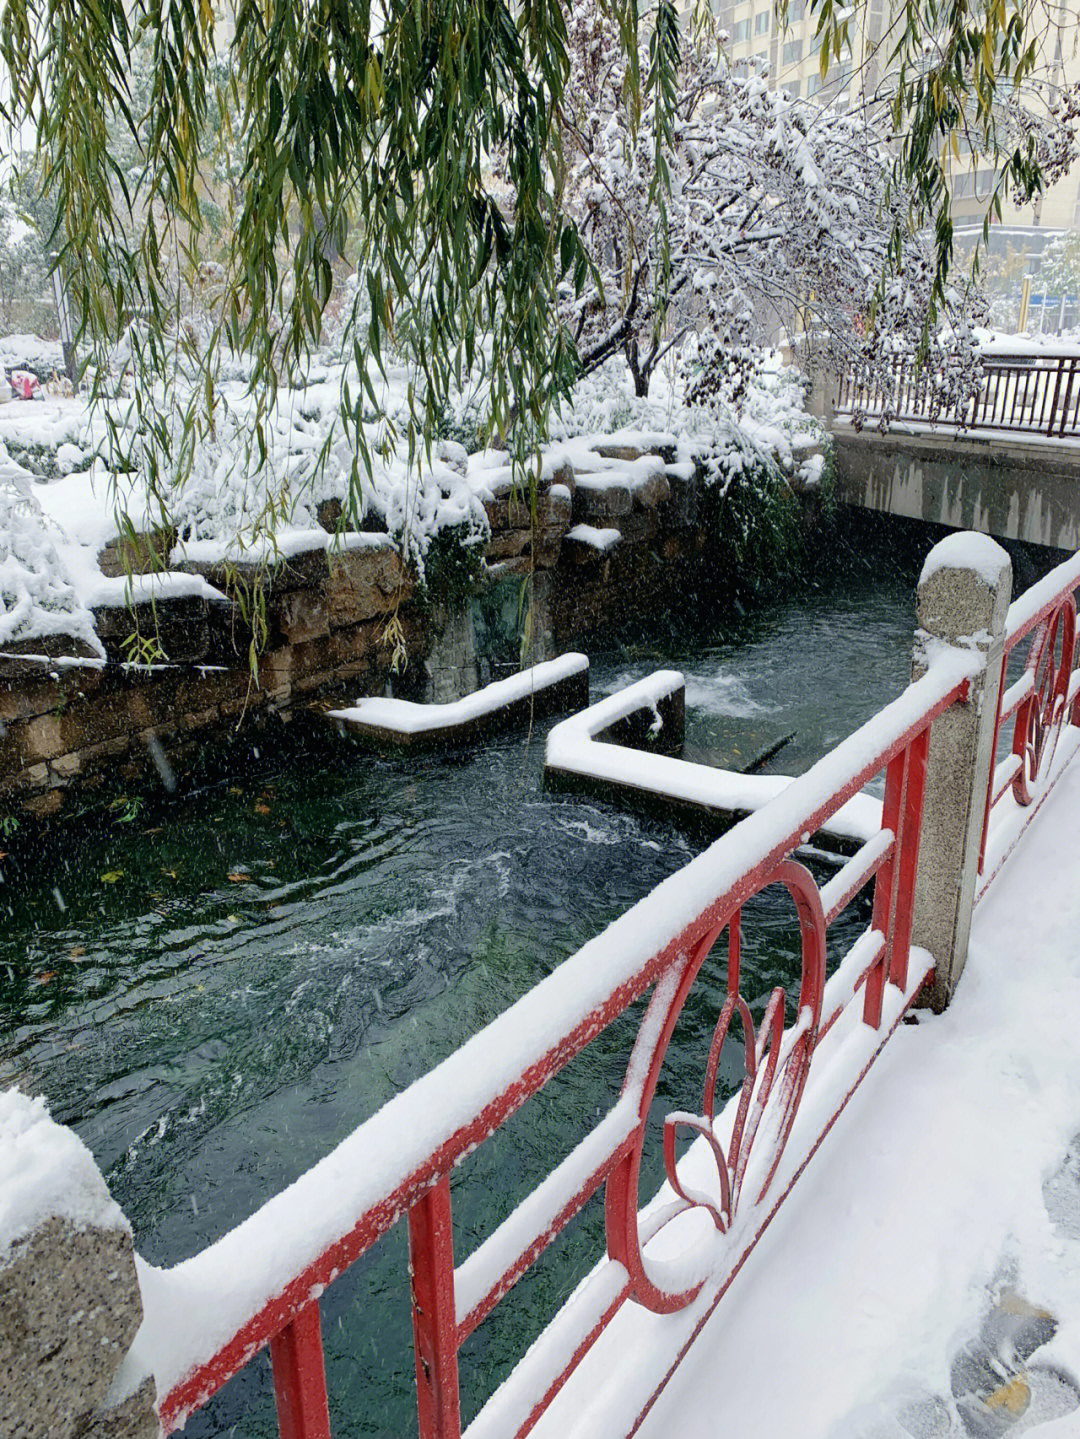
594, 538
542, 689
580, 756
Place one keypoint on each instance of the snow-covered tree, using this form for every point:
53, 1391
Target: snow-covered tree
391, 112
24, 267
774, 208
1059, 272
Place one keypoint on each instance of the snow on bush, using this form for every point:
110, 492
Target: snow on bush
241, 497
240, 494
37, 597
768, 428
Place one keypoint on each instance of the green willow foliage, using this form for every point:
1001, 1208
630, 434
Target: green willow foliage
429, 128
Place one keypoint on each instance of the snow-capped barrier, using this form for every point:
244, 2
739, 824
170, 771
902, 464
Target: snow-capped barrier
539, 690
952, 810
593, 751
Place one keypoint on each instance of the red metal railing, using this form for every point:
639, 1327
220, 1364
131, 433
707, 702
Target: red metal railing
1031, 394
748, 1169
1038, 705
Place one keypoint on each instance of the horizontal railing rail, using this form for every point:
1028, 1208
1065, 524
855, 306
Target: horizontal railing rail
261, 1283
1023, 393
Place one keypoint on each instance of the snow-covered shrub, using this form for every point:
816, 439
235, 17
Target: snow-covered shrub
37, 597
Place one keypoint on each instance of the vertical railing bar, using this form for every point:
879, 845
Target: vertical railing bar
993, 763
885, 885
735, 951
899, 947
435, 1329
1015, 396
1053, 405
300, 1377
1068, 396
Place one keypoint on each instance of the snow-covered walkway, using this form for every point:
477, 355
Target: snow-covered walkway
948, 1179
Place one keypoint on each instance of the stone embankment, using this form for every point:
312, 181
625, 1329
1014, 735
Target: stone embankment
613, 529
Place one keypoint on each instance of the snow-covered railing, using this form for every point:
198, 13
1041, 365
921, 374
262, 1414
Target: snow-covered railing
1042, 705
1028, 393
261, 1283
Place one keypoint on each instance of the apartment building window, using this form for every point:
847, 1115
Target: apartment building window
741, 31
979, 183
792, 91
793, 52
796, 11
761, 23
813, 84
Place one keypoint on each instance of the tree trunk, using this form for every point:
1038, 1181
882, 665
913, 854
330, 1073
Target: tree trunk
640, 373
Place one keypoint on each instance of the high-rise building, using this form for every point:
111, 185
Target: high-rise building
861, 76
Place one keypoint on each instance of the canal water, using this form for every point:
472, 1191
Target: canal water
214, 993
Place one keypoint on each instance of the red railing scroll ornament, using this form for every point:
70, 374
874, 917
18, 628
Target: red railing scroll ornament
773, 1083
1041, 715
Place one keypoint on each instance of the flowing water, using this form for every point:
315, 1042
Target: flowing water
215, 992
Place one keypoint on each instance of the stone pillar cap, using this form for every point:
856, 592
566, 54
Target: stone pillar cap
964, 590
48, 1173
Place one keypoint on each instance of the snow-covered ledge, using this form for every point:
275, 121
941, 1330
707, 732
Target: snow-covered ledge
560, 683
69, 1294
595, 750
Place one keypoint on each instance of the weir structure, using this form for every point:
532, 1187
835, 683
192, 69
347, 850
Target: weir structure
968, 752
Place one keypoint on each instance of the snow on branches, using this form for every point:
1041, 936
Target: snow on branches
777, 209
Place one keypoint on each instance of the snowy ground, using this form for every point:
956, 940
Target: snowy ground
893, 1294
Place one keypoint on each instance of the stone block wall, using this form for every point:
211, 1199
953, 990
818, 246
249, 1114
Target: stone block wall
607, 537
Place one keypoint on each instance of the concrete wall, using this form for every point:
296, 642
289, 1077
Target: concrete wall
1015, 490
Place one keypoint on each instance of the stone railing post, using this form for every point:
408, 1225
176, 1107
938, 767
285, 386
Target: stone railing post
69, 1293
821, 399
963, 599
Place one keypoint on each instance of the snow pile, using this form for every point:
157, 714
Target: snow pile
965, 550
47, 1172
597, 539
767, 428
28, 352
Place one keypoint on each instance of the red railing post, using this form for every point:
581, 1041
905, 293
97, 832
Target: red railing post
435, 1330
907, 851
896, 778
300, 1377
